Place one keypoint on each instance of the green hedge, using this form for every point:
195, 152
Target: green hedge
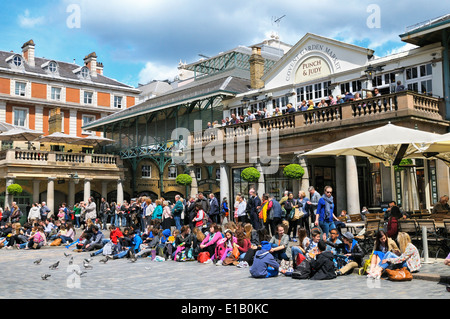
14, 189
184, 179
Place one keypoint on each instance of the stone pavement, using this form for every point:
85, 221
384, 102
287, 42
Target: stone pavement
122, 279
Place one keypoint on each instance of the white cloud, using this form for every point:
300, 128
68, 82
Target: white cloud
406, 47
153, 71
26, 21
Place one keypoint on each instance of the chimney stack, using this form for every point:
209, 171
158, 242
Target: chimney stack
256, 68
91, 62
28, 52
55, 121
100, 68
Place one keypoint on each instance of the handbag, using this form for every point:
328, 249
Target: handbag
236, 253
298, 214
402, 274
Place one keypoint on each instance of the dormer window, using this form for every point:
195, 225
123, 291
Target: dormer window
85, 72
17, 60
52, 67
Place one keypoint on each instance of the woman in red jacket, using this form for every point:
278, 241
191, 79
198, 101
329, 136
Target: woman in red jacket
392, 226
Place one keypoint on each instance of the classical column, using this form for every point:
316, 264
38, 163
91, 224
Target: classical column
8, 198
105, 189
119, 198
224, 182
51, 195
304, 183
36, 184
194, 185
340, 191
71, 196
87, 189
352, 186
260, 187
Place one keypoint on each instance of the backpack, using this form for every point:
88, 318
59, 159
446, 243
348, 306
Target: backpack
288, 205
203, 256
303, 271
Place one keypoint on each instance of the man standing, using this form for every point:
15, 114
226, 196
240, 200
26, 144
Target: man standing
177, 211
214, 209
104, 212
254, 202
315, 197
44, 210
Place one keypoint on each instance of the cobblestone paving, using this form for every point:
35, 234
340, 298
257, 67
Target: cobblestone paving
169, 280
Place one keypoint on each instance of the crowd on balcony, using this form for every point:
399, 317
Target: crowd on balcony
299, 237
304, 105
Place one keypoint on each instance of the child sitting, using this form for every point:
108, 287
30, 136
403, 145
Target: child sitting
264, 264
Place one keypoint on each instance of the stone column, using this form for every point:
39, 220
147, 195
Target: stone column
87, 189
304, 183
36, 184
260, 187
71, 196
353, 206
51, 196
105, 189
119, 198
194, 185
8, 198
341, 190
224, 182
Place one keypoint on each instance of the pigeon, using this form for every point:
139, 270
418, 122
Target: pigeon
87, 266
104, 260
54, 266
133, 259
37, 262
67, 255
79, 273
71, 261
88, 260
45, 276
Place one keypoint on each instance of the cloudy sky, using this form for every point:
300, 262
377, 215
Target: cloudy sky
139, 41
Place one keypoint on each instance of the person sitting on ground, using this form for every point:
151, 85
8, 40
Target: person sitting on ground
146, 248
224, 247
243, 243
323, 265
279, 243
303, 244
183, 244
312, 250
264, 264
352, 250
114, 235
334, 238
383, 245
409, 257
211, 239
135, 242
96, 241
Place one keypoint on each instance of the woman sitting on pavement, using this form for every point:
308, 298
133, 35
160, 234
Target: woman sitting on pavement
409, 257
183, 242
211, 239
383, 245
279, 243
224, 247
303, 244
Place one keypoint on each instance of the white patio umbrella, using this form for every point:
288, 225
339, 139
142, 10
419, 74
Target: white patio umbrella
93, 140
20, 134
439, 148
58, 137
388, 144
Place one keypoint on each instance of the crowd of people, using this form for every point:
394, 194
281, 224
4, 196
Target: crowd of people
304, 105
299, 237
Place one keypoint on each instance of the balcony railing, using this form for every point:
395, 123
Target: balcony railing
32, 157
365, 110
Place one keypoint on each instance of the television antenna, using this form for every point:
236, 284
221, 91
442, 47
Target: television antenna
275, 35
277, 20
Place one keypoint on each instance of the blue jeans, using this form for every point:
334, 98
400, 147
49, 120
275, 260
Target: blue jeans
177, 221
280, 254
392, 255
295, 250
326, 226
65, 239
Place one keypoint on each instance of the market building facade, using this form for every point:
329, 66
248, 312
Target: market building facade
168, 135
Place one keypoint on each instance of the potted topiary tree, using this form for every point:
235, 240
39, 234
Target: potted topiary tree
185, 180
294, 171
250, 174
